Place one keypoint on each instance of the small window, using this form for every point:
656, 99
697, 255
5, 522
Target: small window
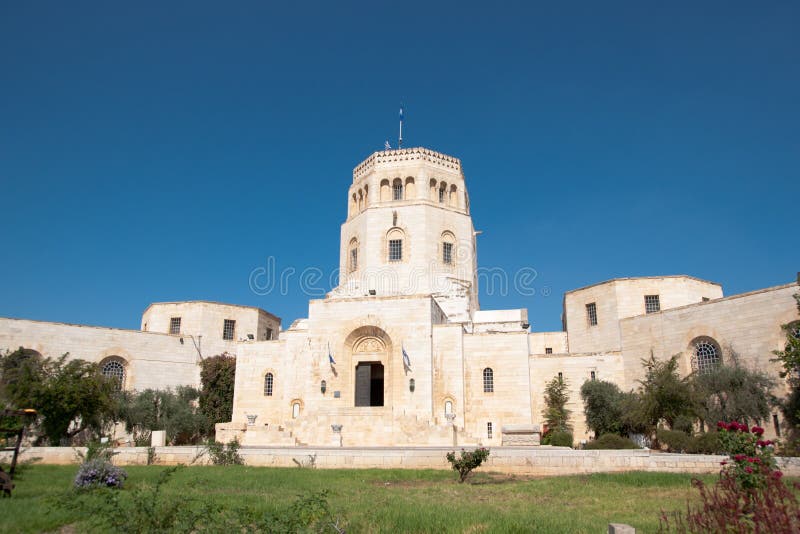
228, 329
488, 380
397, 190
268, 334
175, 325
591, 314
395, 250
560, 375
706, 299
353, 259
295, 410
593, 375
268, 381
448, 407
442, 193
447, 253
489, 430
114, 370
548, 350
652, 304
776, 424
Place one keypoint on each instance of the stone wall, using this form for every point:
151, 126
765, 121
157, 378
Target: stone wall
544, 461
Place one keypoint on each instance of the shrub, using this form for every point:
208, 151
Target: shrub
705, 443
224, 454
611, 441
675, 440
558, 439
751, 460
99, 473
468, 461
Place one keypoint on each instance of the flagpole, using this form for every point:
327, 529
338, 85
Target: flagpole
400, 140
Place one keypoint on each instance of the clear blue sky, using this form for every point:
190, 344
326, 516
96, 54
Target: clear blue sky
157, 153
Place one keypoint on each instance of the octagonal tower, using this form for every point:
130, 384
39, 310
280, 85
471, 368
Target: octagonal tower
409, 231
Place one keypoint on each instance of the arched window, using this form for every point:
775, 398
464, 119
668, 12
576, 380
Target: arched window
442, 193
453, 196
433, 190
394, 241
268, 382
115, 370
448, 248
386, 193
706, 354
360, 200
397, 189
366, 196
448, 407
488, 380
295, 410
352, 257
411, 188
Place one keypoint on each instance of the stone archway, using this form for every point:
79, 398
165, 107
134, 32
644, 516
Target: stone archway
370, 349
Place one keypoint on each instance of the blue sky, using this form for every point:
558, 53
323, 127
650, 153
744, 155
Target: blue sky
153, 152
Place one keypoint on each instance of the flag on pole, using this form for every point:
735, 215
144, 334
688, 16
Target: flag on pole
406, 359
330, 356
387, 146
401, 112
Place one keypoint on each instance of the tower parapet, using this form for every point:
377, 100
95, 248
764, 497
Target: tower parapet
390, 158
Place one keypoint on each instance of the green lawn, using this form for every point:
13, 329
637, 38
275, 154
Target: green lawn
376, 500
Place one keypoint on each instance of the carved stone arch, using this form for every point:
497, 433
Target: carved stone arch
397, 189
447, 248
411, 188
366, 195
453, 196
368, 332
385, 191
296, 407
441, 197
369, 344
352, 255
433, 190
115, 367
353, 204
705, 353
396, 233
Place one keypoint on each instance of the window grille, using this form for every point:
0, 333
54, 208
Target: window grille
548, 350
175, 325
706, 355
397, 191
441, 195
591, 313
114, 370
447, 253
489, 430
488, 380
353, 259
395, 250
652, 304
228, 329
268, 381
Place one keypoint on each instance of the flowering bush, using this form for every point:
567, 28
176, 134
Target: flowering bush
99, 473
751, 461
468, 461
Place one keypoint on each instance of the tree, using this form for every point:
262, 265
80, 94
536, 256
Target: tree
602, 402
172, 411
789, 358
70, 396
555, 414
217, 376
733, 393
664, 394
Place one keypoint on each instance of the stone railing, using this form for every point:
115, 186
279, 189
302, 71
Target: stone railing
385, 157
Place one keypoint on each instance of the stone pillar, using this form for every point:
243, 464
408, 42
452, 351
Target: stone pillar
337, 435
158, 438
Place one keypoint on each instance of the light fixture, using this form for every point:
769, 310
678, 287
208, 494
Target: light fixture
412, 385
323, 387
372, 292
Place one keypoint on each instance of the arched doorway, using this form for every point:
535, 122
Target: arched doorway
370, 367
369, 384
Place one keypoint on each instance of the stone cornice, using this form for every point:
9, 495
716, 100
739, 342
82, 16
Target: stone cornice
390, 157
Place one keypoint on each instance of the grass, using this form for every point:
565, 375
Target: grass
379, 500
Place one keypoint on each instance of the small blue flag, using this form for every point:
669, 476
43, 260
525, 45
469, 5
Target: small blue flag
401, 112
330, 356
406, 359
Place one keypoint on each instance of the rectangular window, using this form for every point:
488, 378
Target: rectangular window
174, 325
593, 375
447, 253
354, 259
268, 334
591, 314
441, 196
228, 329
560, 375
776, 424
652, 304
489, 430
548, 350
395, 250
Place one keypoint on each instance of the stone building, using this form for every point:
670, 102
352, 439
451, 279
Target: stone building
400, 353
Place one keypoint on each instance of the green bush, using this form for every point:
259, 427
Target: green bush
675, 440
705, 443
468, 461
558, 439
611, 441
224, 454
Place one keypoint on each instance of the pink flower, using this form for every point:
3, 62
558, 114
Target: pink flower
748, 469
723, 462
722, 424
757, 430
761, 443
750, 460
744, 428
777, 474
739, 457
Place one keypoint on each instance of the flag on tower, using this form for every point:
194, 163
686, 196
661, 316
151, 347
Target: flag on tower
406, 359
330, 356
401, 112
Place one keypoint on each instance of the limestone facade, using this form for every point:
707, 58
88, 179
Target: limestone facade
400, 353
